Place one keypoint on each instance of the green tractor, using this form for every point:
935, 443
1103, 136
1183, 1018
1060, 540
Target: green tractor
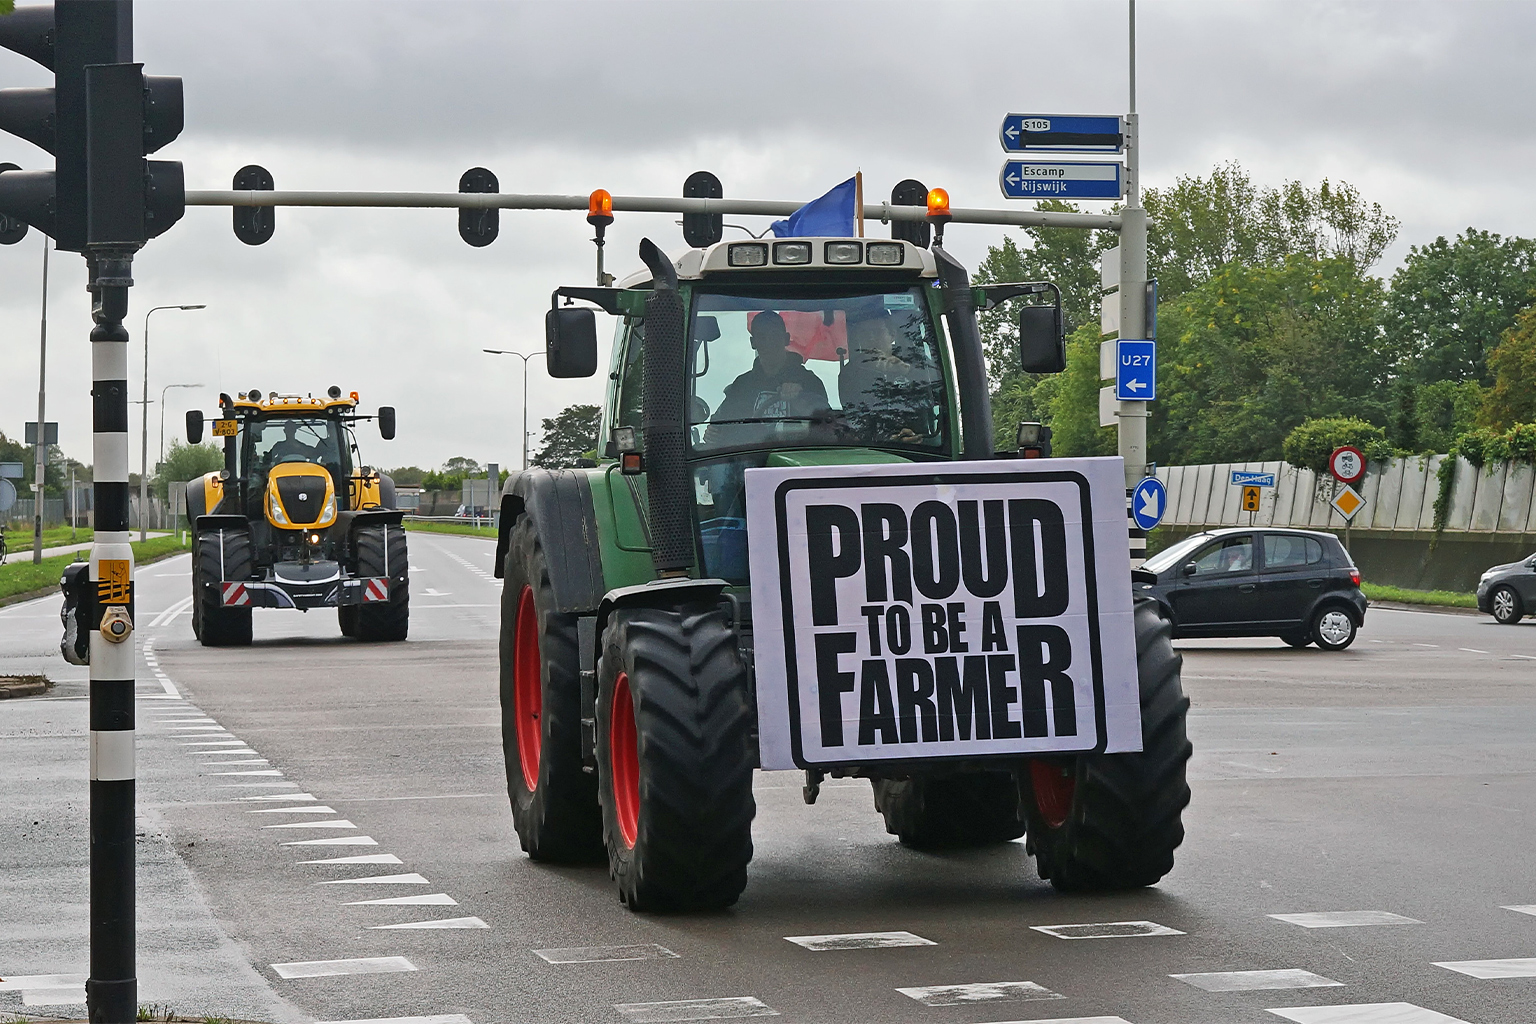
721, 591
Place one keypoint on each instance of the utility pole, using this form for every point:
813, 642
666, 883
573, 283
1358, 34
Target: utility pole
144, 425
1133, 297
524, 358
40, 465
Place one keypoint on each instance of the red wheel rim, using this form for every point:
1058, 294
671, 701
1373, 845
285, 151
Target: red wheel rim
1054, 785
527, 689
625, 757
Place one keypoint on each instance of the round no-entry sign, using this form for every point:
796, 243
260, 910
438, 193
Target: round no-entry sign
1347, 464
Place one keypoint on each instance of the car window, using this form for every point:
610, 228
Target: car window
1282, 551
1232, 554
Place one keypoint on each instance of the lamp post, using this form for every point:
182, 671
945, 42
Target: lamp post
144, 421
162, 414
524, 358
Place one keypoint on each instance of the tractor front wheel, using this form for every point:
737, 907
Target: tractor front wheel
381, 551
216, 557
1112, 821
674, 758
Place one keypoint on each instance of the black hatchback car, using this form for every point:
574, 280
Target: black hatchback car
1298, 585
1508, 592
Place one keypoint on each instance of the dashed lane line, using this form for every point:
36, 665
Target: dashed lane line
1484, 970
408, 878
432, 899
859, 940
1344, 919
1365, 1013
367, 858
695, 1009
604, 954
441, 1018
443, 924
336, 841
979, 992
1526, 908
339, 823
1107, 930
1255, 981
337, 968
278, 796
318, 809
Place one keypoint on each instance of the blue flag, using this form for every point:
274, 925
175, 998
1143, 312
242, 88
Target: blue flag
830, 216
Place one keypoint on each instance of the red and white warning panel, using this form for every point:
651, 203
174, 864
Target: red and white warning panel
376, 589
234, 595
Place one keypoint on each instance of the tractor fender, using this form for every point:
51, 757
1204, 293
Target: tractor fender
559, 502
350, 521
202, 524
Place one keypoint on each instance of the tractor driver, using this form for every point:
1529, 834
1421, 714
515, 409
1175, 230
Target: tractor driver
779, 386
290, 448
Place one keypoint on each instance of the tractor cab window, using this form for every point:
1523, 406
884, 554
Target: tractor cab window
317, 440
799, 366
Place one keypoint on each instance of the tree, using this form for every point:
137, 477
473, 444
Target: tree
407, 476
1069, 401
569, 436
1199, 225
461, 467
1512, 399
1451, 301
1311, 443
187, 462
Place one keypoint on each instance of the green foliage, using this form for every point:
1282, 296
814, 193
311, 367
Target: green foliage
465, 529
568, 436
23, 577
461, 467
187, 462
1429, 417
1451, 301
407, 476
1445, 480
1310, 444
1512, 399
1484, 445
1402, 595
1201, 225
1256, 351
1069, 401
55, 474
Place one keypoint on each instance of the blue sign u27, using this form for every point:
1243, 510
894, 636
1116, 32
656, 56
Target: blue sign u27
1135, 370
1061, 179
1149, 501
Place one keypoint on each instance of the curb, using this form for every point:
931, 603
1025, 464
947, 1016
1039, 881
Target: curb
1440, 609
23, 686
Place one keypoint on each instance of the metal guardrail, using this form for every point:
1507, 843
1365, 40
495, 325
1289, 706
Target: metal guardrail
478, 521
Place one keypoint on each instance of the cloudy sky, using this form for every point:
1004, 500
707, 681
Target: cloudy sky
1424, 107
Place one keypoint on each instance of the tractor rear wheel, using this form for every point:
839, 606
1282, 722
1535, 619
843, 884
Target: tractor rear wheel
1112, 821
216, 558
954, 812
554, 801
674, 758
381, 551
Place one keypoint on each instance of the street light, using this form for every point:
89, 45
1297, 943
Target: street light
524, 358
144, 420
162, 414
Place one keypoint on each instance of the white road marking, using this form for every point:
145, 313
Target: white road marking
1527, 908
1071, 1020
1527, 657
1344, 919
437, 593
1365, 1013
262, 771
198, 728
441, 1018
1107, 930
46, 989
212, 743
445, 923
254, 785
217, 764
980, 992
335, 968
279, 796
1519, 967
1471, 650
336, 841
367, 858
174, 610
339, 823
1426, 645
306, 809
1255, 981
406, 879
859, 940
435, 899
695, 1009
604, 954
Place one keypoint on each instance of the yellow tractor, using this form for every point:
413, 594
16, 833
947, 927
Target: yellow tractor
294, 521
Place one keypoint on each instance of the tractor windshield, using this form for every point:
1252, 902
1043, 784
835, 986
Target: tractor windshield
796, 366
318, 440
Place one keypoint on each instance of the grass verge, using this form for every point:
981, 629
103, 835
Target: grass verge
26, 579
20, 538
1402, 595
466, 529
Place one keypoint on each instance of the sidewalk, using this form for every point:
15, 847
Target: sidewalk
25, 554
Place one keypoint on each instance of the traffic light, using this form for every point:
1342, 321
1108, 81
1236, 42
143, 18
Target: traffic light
128, 114
27, 197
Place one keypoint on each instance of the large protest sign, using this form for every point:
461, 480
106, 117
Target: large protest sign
955, 610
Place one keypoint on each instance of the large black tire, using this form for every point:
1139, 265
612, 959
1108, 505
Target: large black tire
952, 812
212, 623
554, 802
674, 758
346, 617
1112, 821
381, 551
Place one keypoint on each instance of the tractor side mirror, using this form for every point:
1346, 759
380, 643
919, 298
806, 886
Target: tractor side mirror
194, 426
1042, 339
570, 342
387, 422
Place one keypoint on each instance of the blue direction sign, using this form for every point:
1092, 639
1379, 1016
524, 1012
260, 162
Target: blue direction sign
1244, 478
1148, 503
1135, 370
1061, 179
1062, 133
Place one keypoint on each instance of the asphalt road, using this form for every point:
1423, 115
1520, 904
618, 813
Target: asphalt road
1398, 777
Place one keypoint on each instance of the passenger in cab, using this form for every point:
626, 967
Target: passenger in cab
779, 386
885, 397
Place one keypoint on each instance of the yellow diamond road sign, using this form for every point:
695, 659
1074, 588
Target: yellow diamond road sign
1348, 502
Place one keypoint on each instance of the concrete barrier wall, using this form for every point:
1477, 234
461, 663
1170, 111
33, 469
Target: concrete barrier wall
1491, 517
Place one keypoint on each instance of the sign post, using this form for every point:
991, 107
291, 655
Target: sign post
1347, 464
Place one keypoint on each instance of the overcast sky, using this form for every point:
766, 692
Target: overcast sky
1426, 108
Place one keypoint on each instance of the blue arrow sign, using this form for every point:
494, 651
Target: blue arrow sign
1244, 478
1135, 371
1061, 179
1148, 503
1062, 133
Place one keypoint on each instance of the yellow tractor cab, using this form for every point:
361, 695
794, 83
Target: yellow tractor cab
294, 520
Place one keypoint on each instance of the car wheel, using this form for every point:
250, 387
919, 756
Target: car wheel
1506, 606
1333, 628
